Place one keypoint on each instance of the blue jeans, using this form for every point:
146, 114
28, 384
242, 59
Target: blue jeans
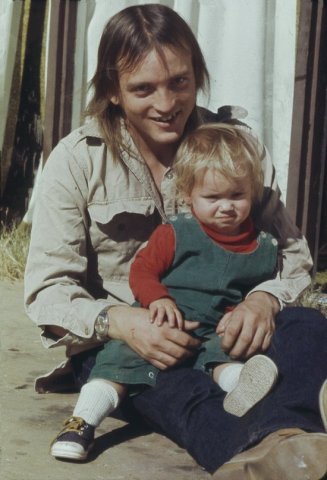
187, 405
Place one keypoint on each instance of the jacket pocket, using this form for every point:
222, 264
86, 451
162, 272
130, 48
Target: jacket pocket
126, 220
118, 230
105, 212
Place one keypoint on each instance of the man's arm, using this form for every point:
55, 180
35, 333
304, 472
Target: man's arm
56, 272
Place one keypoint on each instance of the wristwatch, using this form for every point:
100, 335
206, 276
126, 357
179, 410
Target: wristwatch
101, 325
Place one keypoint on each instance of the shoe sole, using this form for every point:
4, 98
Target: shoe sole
323, 404
257, 377
64, 450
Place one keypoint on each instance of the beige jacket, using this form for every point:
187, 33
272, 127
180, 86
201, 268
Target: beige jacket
93, 215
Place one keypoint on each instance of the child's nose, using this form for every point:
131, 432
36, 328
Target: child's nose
226, 205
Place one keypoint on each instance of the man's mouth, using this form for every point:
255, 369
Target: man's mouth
167, 119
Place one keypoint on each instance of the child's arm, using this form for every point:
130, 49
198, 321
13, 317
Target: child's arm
165, 309
150, 264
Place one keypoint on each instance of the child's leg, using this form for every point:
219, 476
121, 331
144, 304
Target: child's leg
245, 384
227, 375
98, 399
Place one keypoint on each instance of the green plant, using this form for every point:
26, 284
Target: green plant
14, 242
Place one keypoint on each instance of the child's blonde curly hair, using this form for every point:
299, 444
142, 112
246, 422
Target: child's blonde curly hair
227, 149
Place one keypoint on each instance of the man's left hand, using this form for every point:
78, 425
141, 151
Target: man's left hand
248, 328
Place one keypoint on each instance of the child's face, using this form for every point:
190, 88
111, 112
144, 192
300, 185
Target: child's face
220, 204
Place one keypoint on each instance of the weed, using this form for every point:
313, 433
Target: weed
14, 242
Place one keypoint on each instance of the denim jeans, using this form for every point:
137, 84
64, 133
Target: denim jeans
187, 405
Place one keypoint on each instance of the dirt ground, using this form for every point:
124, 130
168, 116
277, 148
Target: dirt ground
29, 421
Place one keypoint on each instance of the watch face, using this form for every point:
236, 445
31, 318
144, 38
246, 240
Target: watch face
102, 324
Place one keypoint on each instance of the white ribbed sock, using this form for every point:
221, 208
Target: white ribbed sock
96, 401
228, 379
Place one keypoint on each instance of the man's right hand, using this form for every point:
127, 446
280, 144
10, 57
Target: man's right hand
163, 346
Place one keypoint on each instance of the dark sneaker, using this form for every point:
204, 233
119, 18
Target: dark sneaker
75, 440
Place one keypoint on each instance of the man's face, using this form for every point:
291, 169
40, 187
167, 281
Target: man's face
158, 97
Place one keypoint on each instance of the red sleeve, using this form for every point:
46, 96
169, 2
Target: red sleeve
150, 264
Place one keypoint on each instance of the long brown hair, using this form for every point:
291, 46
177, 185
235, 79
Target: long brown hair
127, 38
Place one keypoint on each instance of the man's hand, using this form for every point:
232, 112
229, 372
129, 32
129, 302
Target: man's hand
163, 347
165, 310
249, 327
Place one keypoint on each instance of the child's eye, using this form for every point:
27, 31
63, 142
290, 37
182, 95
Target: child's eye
211, 199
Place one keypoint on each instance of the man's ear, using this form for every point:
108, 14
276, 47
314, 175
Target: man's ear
114, 99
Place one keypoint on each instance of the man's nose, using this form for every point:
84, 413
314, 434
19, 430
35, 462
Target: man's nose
165, 101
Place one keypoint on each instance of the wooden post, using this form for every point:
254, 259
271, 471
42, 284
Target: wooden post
307, 167
60, 73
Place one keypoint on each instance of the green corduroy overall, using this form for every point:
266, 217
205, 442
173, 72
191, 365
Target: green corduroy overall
204, 280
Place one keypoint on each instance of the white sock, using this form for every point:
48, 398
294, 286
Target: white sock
228, 379
96, 401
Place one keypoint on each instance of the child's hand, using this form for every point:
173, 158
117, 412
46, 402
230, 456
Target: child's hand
220, 330
163, 310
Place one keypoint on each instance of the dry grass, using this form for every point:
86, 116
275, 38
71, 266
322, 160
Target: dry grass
321, 280
316, 295
14, 243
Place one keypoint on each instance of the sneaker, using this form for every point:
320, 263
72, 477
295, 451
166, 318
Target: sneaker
75, 440
257, 377
323, 404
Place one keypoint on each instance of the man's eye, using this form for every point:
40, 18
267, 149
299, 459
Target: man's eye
142, 89
180, 82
